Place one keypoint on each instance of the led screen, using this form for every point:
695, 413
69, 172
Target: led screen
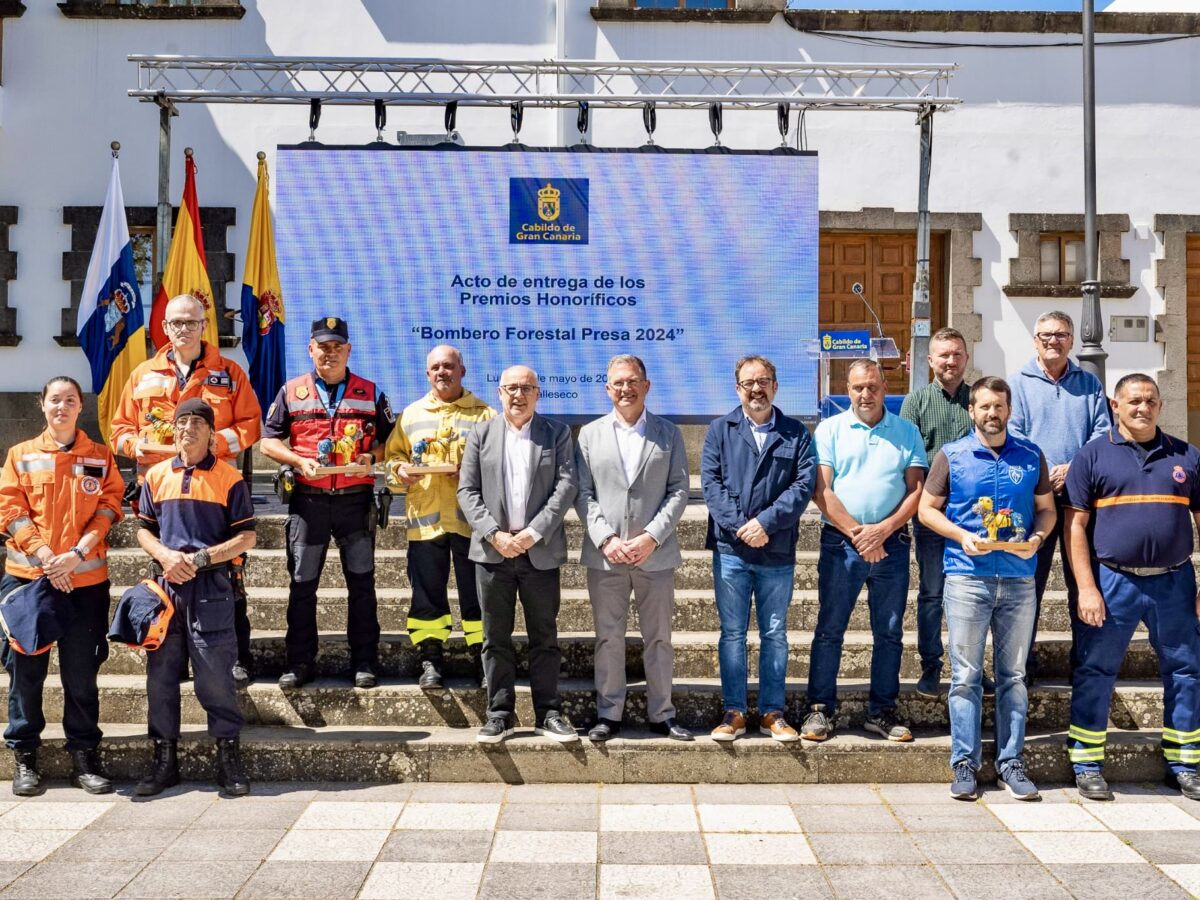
557, 260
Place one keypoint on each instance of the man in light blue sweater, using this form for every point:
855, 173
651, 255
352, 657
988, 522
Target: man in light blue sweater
1059, 407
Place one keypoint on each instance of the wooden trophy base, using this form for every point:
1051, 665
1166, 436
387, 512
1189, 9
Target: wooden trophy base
353, 469
1009, 546
442, 469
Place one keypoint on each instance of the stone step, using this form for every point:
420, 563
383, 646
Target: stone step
268, 568
330, 702
695, 610
444, 754
696, 656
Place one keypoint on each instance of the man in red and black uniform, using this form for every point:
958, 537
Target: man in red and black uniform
329, 417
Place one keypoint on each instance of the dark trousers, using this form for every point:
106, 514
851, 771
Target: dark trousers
499, 586
313, 519
1056, 539
80, 652
429, 572
932, 579
241, 628
201, 632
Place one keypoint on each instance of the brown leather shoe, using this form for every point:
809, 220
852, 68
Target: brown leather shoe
732, 727
776, 726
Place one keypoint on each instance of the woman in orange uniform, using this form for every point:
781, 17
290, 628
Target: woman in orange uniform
60, 493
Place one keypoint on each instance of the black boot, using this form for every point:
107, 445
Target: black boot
86, 774
476, 651
230, 776
164, 770
431, 665
26, 780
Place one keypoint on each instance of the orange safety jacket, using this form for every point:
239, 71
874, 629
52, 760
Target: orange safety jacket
311, 424
54, 497
153, 392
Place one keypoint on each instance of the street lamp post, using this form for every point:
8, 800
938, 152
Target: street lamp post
1091, 355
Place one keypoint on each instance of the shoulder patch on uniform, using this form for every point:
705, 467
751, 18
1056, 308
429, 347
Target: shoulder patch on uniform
271, 409
386, 407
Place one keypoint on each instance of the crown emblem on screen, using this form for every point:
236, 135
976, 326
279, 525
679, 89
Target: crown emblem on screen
549, 205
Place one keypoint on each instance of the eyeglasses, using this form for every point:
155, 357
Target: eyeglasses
1048, 337
184, 324
523, 389
751, 383
632, 384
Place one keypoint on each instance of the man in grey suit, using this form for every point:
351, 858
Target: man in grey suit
515, 485
633, 488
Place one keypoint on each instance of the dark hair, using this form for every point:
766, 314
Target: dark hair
746, 360
1134, 378
948, 334
68, 379
995, 385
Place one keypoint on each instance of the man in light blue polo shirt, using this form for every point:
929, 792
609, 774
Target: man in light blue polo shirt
871, 465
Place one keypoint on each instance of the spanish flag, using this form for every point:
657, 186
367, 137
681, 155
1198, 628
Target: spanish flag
262, 300
187, 270
110, 325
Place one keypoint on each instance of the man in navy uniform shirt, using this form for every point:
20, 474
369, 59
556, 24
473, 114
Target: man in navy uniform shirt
1130, 494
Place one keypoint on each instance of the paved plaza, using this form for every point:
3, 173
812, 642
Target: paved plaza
447, 841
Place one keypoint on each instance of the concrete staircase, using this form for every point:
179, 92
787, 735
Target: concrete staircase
331, 731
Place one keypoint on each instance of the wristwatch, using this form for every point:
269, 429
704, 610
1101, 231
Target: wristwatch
200, 558
82, 556
491, 535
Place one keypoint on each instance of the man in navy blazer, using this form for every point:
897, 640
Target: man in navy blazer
758, 471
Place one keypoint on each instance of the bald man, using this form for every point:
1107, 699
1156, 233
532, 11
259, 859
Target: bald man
515, 486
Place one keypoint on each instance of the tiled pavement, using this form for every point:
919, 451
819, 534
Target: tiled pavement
446, 841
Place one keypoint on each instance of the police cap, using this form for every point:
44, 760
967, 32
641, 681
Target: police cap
330, 328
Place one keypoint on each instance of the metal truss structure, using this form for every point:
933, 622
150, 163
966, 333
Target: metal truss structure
544, 83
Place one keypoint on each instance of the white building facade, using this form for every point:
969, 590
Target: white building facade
1006, 193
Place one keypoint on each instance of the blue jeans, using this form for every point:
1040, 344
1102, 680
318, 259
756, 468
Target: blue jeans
841, 574
1008, 606
771, 586
929, 547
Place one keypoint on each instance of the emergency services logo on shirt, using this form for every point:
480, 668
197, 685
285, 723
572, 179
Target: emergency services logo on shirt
1179, 475
90, 485
1015, 474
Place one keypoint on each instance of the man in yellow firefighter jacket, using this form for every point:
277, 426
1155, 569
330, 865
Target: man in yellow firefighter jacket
433, 431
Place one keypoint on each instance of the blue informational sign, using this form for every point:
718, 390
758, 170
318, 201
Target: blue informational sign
557, 260
846, 343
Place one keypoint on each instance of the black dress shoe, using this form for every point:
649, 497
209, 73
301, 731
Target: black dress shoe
671, 729
603, 730
297, 676
431, 676
364, 675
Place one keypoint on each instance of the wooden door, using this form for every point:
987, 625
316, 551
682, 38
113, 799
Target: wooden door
885, 265
1193, 336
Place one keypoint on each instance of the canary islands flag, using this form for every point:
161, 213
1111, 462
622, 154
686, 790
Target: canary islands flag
111, 326
187, 270
262, 301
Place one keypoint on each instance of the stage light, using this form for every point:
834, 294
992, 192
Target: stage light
380, 119
516, 117
782, 114
451, 118
581, 121
314, 118
715, 122
650, 122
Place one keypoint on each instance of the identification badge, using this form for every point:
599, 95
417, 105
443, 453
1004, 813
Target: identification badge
90, 485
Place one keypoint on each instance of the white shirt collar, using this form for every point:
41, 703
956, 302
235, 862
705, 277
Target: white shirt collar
639, 426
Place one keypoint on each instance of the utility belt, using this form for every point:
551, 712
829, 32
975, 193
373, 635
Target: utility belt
332, 492
1143, 571
156, 570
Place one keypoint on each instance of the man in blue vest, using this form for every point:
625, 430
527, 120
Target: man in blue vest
1132, 497
989, 482
329, 417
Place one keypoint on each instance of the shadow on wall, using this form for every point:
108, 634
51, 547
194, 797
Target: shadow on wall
443, 22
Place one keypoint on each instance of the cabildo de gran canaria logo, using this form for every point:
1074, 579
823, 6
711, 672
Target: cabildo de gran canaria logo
547, 210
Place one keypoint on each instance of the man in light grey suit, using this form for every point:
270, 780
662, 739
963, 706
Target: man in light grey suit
515, 485
633, 488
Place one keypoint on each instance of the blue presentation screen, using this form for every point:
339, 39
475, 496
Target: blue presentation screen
557, 260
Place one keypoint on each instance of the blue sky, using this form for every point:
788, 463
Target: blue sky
1030, 5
